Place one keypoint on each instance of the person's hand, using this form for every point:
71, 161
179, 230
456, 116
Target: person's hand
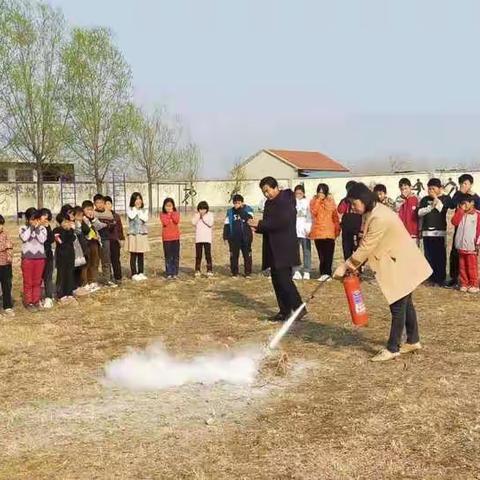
340, 272
252, 223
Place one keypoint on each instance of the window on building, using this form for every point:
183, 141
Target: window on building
3, 175
24, 175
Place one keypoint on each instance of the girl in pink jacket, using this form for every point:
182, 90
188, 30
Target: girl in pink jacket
203, 221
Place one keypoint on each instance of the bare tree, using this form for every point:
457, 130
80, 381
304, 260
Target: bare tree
32, 114
191, 161
238, 175
99, 101
154, 147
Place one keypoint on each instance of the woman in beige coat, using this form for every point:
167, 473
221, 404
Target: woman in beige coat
397, 263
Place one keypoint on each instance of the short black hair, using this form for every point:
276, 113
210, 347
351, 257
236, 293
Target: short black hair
98, 196
31, 213
108, 198
237, 198
61, 217
380, 187
404, 182
323, 187
46, 212
134, 197
77, 209
350, 184
66, 210
87, 203
269, 181
434, 182
168, 200
300, 187
361, 192
466, 197
2, 220
203, 205
466, 177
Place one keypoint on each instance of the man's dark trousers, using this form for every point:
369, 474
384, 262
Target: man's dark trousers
288, 298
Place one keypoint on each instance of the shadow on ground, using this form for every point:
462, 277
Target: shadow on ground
334, 336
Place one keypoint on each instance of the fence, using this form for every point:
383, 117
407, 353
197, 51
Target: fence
18, 196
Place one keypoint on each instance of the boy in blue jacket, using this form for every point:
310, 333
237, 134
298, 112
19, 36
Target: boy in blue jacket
239, 235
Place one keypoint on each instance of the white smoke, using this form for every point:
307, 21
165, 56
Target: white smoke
155, 369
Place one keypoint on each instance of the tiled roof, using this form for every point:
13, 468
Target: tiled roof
308, 160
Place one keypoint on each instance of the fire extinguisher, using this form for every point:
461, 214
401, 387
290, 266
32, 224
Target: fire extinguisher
358, 311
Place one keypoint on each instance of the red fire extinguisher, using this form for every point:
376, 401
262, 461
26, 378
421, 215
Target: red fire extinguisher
358, 311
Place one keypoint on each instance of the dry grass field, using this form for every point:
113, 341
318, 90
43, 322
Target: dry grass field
319, 410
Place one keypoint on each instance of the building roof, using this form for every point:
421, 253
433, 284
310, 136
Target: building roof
302, 160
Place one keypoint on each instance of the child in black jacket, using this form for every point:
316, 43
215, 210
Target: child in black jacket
64, 236
45, 219
239, 235
433, 211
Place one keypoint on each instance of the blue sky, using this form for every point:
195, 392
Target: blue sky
359, 80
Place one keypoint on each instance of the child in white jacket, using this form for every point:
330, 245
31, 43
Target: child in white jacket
304, 225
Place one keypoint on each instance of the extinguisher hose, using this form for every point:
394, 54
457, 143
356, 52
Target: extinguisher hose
289, 322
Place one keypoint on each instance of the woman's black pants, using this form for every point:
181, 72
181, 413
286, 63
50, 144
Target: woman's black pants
404, 317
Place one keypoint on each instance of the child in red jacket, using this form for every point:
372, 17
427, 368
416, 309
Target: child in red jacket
170, 219
407, 205
467, 242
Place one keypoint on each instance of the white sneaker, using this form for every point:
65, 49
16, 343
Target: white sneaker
464, 289
136, 277
142, 276
94, 287
473, 290
48, 303
9, 312
306, 276
111, 284
410, 347
325, 278
209, 274
297, 275
198, 274
384, 355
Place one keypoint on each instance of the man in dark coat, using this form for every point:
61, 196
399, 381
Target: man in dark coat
280, 244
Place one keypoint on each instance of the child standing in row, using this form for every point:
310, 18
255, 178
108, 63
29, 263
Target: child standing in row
64, 236
304, 225
433, 210
467, 242
106, 218
45, 219
170, 220
93, 245
383, 198
407, 207
115, 237
351, 224
325, 229
81, 232
6, 259
137, 243
239, 235
33, 236
203, 222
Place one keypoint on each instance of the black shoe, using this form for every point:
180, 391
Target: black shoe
450, 284
279, 317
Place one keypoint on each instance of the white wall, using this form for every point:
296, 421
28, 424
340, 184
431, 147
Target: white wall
215, 192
